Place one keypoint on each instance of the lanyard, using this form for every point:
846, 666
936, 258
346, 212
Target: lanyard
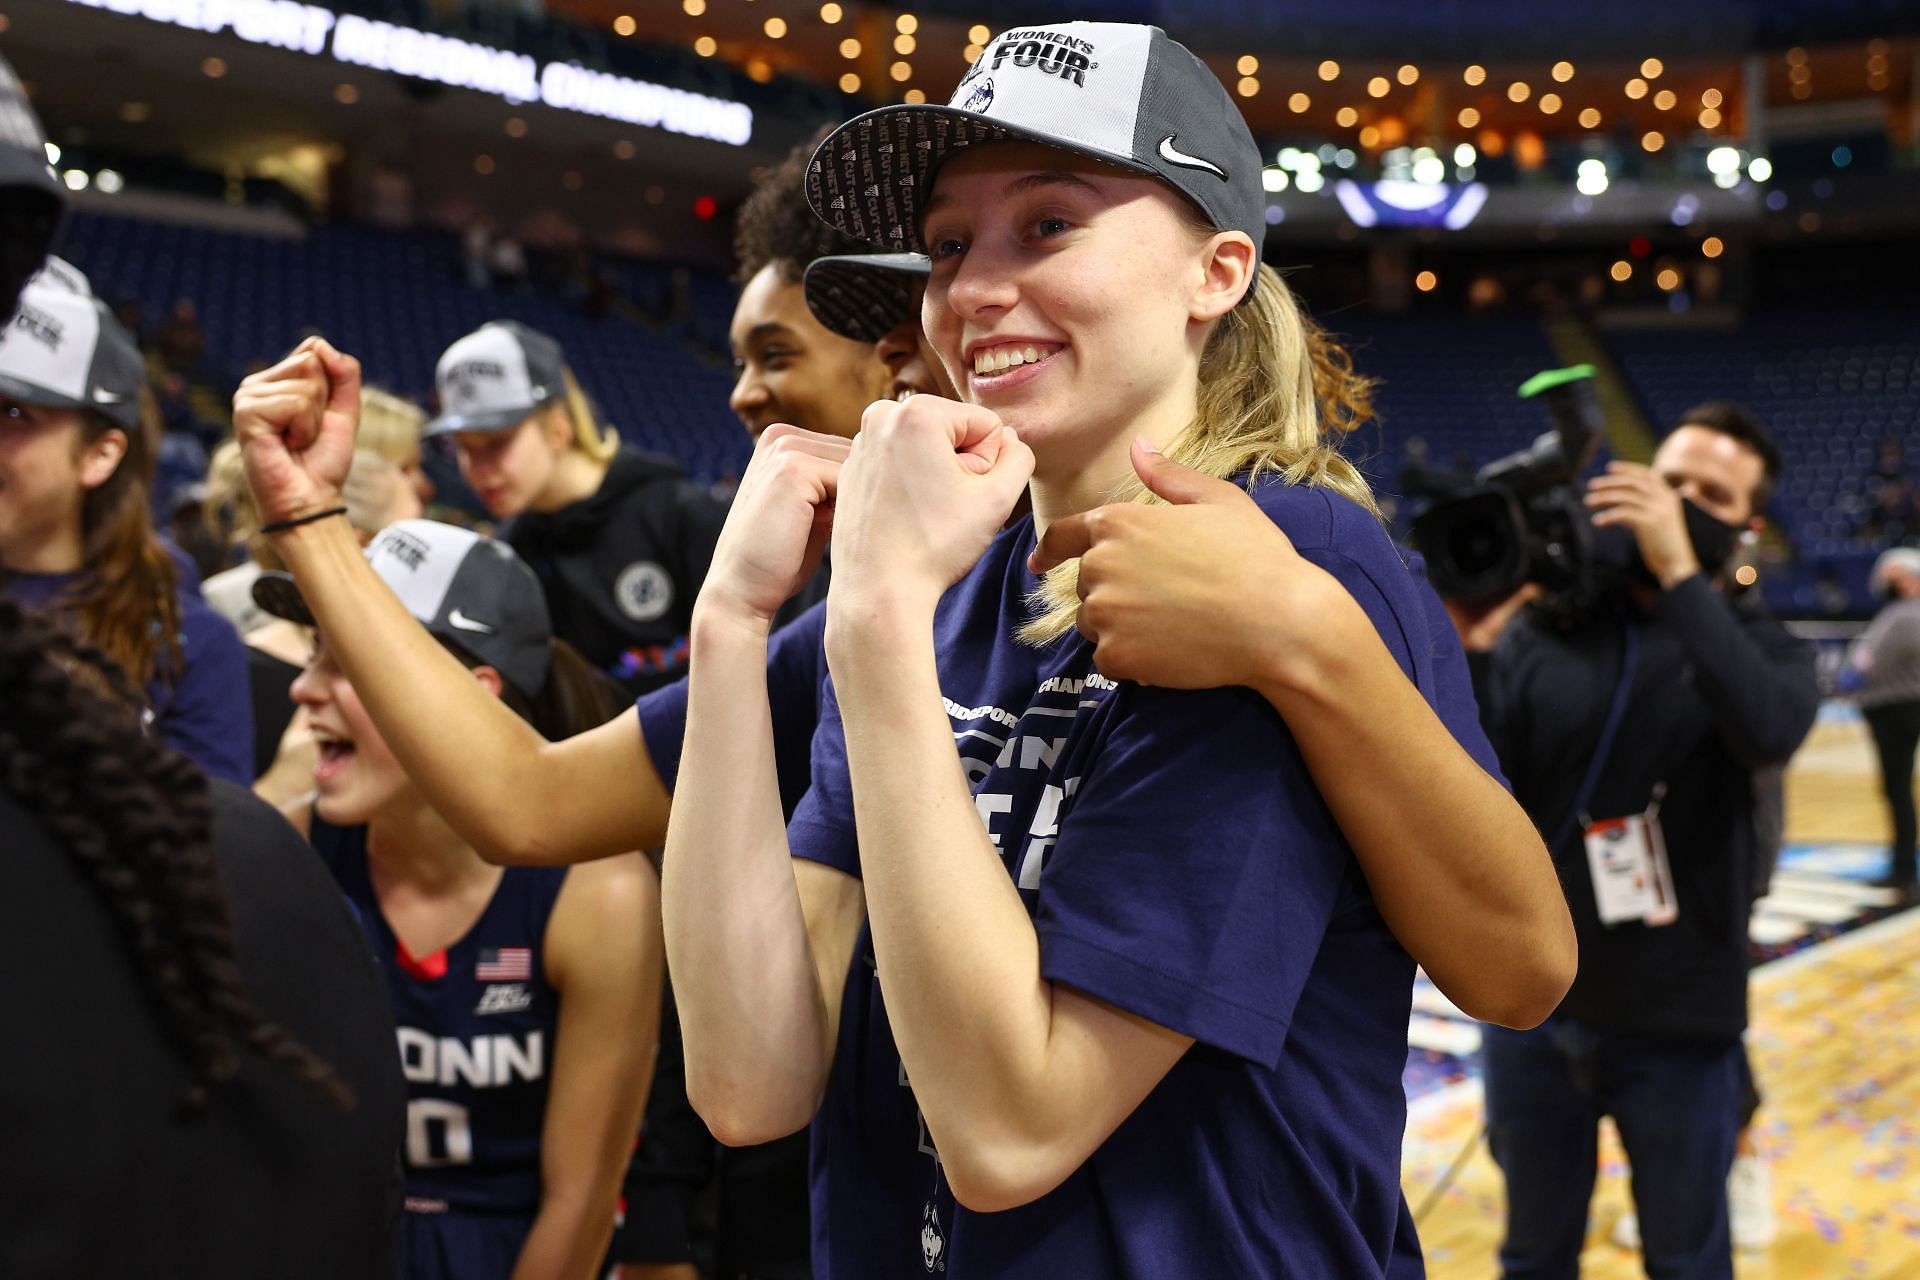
1629, 658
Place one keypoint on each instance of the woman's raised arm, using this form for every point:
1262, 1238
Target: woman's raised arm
1207, 592
759, 944
513, 795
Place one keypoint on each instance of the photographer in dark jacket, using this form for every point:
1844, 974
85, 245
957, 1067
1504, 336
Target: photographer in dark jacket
620, 539
1644, 718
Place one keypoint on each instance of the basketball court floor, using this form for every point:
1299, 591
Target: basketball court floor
1835, 1043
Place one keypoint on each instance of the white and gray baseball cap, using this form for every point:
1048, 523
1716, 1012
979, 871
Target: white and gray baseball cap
1124, 93
63, 349
1892, 561
864, 296
463, 587
493, 378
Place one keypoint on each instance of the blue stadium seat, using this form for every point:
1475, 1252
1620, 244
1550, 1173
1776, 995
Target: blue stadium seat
396, 300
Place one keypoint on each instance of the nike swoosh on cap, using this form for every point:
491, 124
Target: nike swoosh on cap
464, 623
102, 396
1173, 155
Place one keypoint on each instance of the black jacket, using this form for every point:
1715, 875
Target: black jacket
104, 1176
621, 568
1720, 689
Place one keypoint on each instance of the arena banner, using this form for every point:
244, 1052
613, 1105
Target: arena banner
424, 55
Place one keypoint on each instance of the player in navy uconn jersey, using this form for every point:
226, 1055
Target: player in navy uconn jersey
526, 999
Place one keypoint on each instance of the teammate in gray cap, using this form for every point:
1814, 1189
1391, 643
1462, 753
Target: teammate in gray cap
76, 534
548, 979
619, 538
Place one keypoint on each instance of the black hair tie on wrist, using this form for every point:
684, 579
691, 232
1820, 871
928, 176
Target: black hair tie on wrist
281, 526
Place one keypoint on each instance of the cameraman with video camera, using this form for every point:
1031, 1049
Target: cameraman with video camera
1630, 706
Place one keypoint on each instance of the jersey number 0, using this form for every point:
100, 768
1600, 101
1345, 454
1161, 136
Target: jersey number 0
438, 1134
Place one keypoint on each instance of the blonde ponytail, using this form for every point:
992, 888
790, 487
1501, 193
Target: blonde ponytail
598, 442
1276, 391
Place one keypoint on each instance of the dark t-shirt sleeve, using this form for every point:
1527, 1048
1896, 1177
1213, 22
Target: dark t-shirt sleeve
822, 827
1195, 870
795, 667
208, 714
1197, 867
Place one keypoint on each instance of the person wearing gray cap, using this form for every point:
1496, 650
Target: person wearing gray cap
619, 538
76, 533
1080, 947
289, 462
1883, 675
527, 998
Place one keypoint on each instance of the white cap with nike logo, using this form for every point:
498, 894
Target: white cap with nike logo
63, 349
469, 589
1124, 93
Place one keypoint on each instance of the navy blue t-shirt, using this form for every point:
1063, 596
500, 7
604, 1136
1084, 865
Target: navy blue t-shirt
1178, 863
206, 714
796, 690
475, 1024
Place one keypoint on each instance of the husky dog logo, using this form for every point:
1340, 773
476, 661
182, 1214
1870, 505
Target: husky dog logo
933, 1241
974, 68
643, 591
980, 99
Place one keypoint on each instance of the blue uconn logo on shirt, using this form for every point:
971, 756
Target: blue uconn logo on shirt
1007, 756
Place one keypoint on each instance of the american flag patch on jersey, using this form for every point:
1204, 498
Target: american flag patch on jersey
505, 964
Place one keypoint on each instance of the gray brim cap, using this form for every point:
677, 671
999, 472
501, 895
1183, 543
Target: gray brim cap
463, 587
864, 296
1121, 93
64, 350
496, 376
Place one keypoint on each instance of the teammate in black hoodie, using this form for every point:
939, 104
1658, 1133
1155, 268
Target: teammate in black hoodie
619, 538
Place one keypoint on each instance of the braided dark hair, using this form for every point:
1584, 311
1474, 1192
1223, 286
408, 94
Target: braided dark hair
137, 820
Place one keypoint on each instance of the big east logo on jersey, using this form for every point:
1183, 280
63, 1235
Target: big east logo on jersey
1046, 51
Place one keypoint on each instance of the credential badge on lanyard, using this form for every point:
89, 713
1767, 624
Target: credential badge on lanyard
1627, 858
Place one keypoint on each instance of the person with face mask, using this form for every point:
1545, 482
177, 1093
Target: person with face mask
1631, 732
620, 539
1883, 675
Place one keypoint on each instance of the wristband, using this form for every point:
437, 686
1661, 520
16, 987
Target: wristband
281, 526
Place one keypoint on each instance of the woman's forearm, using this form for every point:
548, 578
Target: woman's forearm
956, 950
752, 1012
1458, 870
489, 772
569, 1237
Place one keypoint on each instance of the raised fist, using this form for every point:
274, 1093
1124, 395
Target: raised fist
295, 423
